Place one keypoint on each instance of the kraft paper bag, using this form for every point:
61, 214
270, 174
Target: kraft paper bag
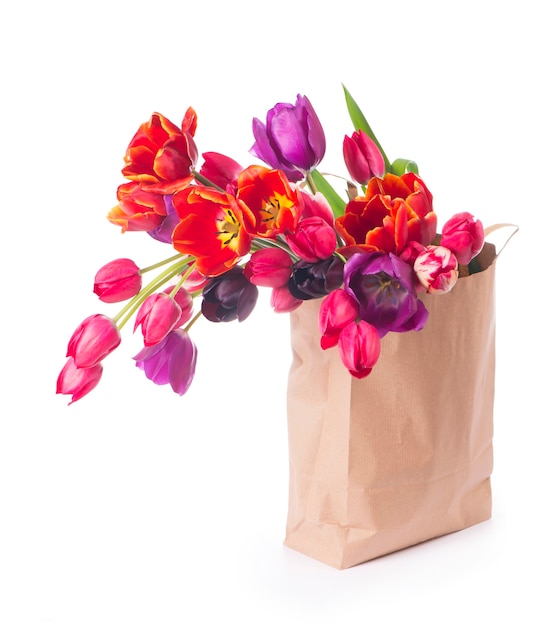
401, 456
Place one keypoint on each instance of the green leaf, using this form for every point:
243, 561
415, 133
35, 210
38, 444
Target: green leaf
360, 123
402, 166
335, 201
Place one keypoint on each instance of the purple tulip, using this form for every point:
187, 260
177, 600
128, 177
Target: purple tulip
383, 285
171, 361
315, 280
293, 139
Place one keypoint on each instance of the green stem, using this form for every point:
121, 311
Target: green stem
192, 321
205, 181
160, 264
311, 183
150, 288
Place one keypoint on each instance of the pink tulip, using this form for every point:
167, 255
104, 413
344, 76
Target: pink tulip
185, 301
359, 347
362, 157
437, 269
463, 234
269, 268
157, 316
117, 281
93, 340
282, 301
78, 381
337, 310
313, 240
316, 204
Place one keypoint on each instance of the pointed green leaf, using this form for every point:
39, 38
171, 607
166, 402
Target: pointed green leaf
335, 201
360, 123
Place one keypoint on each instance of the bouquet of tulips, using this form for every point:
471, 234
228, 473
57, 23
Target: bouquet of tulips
370, 252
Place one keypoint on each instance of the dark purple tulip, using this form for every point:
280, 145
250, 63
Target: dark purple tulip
383, 285
228, 297
172, 360
315, 280
292, 140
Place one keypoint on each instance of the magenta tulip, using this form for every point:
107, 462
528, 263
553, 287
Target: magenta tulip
117, 281
78, 381
270, 267
337, 310
362, 157
282, 300
93, 340
313, 240
157, 316
359, 348
463, 234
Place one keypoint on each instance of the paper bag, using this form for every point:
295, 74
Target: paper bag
405, 454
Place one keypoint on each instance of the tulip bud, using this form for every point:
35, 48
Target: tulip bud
337, 310
463, 234
78, 381
93, 340
269, 268
157, 316
282, 301
362, 157
313, 240
437, 269
359, 347
229, 296
117, 281
185, 301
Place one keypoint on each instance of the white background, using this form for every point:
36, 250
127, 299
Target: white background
137, 507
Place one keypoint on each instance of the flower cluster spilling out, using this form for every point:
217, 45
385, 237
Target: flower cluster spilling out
369, 256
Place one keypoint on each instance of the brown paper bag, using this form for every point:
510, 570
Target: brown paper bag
405, 454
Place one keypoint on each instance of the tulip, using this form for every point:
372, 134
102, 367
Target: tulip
212, 229
437, 269
315, 204
394, 211
337, 310
117, 281
282, 301
228, 297
292, 139
163, 232
93, 340
270, 267
172, 360
463, 234
78, 381
270, 199
362, 157
157, 316
161, 156
313, 240
383, 285
137, 209
314, 280
184, 300
359, 348
221, 170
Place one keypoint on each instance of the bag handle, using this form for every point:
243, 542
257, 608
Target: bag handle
496, 227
